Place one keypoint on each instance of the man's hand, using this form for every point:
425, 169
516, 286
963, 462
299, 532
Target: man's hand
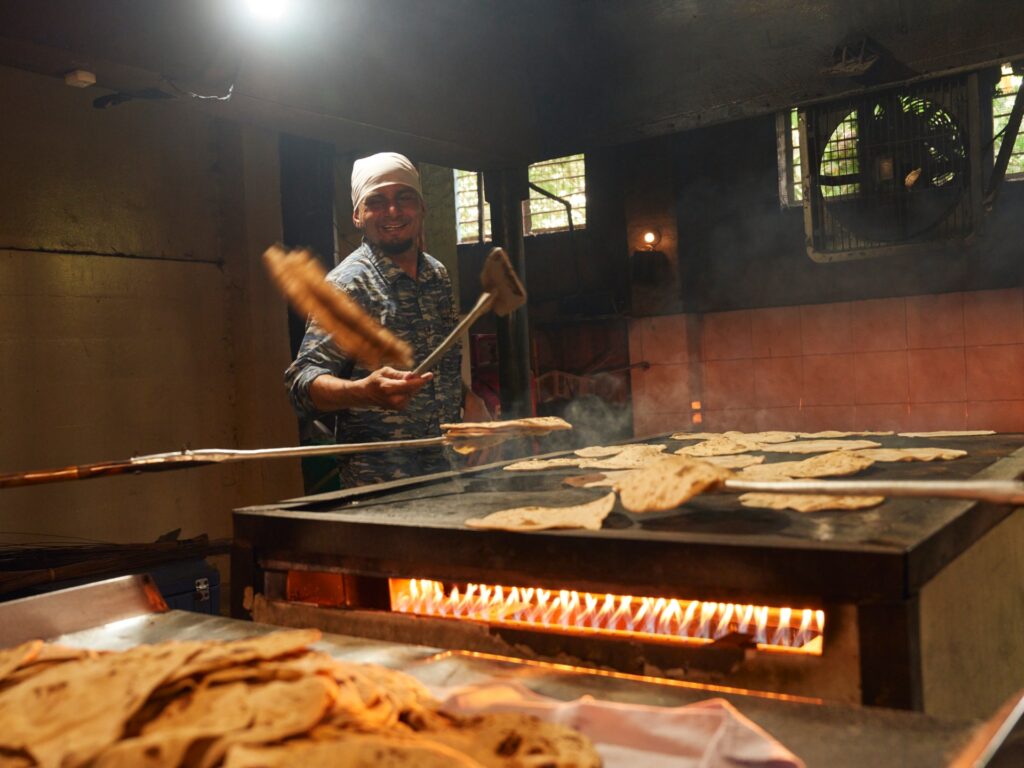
384, 388
391, 389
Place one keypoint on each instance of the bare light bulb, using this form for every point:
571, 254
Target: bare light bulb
650, 238
268, 10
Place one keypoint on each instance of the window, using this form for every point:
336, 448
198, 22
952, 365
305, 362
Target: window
564, 177
787, 129
471, 207
1002, 103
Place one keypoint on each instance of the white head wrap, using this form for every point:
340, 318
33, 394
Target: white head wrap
371, 173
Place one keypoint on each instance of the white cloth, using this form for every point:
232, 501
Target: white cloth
371, 173
708, 734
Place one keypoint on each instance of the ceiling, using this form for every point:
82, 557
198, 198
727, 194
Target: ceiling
481, 84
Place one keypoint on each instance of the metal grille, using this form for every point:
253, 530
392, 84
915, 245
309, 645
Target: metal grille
471, 208
890, 168
1002, 103
565, 177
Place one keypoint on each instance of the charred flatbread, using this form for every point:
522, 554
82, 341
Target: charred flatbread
694, 435
834, 464
536, 425
912, 454
667, 483
351, 750
588, 516
807, 502
604, 451
735, 461
19, 656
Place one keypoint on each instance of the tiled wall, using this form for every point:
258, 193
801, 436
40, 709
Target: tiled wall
946, 361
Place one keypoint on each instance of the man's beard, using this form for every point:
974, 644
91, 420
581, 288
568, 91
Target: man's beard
396, 248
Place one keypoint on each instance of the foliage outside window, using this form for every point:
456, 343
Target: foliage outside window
470, 206
1002, 103
564, 177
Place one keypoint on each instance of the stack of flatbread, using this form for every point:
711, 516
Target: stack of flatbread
260, 702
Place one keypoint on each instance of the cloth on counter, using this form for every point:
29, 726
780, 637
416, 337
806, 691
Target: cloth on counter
708, 734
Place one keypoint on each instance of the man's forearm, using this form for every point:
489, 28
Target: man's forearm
329, 393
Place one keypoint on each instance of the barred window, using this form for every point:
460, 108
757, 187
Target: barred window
1002, 103
787, 129
471, 207
564, 177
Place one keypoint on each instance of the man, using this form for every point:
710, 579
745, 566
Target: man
410, 293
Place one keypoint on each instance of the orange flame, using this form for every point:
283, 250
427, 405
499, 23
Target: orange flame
783, 629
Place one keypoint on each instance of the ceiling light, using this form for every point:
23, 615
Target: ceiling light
268, 10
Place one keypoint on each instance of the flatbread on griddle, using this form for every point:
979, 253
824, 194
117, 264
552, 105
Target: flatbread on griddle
719, 446
771, 436
535, 425
834, 464
633, 457
820, 446
950, 433
694, 435
537, 465
584, 481
604, 451
733, 461
667, 483
912, 454
831, 434
808, 502
588, 516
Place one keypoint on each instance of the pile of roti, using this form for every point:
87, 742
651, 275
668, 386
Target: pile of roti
260, 702
645, 478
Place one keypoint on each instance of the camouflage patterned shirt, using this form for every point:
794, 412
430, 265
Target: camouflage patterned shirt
422, 313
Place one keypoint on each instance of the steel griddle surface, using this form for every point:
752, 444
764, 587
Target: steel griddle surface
903, 542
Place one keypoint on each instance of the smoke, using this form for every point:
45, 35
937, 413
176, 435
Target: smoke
596, 421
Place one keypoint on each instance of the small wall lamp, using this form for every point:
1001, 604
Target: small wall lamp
651, 238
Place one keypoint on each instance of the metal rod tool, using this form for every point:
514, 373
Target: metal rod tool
998, 491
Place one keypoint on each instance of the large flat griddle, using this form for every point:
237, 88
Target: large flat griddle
712, 545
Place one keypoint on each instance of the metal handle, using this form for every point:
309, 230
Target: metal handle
999, 491
482, 305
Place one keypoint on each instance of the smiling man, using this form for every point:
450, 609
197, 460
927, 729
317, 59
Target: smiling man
410, 293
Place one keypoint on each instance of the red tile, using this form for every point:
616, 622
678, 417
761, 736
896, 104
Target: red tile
1002, 416
779, 418
775, 332
728, 385
883, 416
878, 325
935, 321
665, 339
828, 380
726, 336
743, 420
994, 317
665, 389
995, 373
777, 381
637, 378
825, 329
937, 375
881, 377
636, 340
820, 417
932, 417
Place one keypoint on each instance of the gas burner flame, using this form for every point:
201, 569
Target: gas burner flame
792, 630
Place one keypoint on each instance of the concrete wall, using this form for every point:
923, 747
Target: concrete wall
135, 315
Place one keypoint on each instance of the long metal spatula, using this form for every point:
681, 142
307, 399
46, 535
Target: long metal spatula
185, 459
502, 292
